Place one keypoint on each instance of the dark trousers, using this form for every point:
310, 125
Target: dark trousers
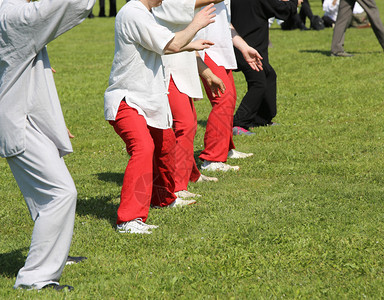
344, 18
258, 106
112, 8
305, 12
297, 21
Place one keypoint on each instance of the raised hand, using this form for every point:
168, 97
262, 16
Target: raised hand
205, 16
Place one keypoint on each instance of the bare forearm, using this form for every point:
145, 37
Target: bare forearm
251, 56
182, 39
215, 84
237, 40
203, 69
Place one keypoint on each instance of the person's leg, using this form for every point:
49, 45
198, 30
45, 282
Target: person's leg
195, 174
102, 8
50, 194
267, 110
218, 135
250, 105
328, 22
372, 11
136, 192
343, 20
163, 167
305, 12
184, 126
112, 8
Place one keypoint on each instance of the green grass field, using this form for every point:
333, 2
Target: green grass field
302, 219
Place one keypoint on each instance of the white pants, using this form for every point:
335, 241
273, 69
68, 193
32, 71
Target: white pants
50, 194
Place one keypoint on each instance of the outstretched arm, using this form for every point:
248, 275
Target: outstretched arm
251, 56
182, 40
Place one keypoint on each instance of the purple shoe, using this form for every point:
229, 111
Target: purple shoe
241, 131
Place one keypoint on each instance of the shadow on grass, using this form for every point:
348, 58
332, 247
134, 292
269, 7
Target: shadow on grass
11, 262
202, 123
323, 52
100, 207
111, 177
328, 53
197, 159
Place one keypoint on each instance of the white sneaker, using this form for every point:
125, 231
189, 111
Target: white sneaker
237, 154
185, 194
217, 166
135, 226
203, 178
180, 202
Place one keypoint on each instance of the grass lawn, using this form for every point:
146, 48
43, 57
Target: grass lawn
303, 218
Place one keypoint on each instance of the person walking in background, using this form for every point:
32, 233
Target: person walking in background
182, 75
137, 106
33, 134
344, 18
220, 58
250, 18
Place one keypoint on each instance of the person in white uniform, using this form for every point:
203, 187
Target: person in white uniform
33, 134
137, 106
182, 75
220, 58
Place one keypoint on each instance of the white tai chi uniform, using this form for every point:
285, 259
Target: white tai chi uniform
221, 59
183, 84
137, 106
176, 15
33, 135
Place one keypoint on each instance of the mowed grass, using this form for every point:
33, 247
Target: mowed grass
303, 218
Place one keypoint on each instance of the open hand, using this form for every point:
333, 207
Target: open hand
253, 58
216, 85
205, 16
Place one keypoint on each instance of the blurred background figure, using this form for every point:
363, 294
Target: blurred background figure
343, 21
331, 8
298, 20
112, 8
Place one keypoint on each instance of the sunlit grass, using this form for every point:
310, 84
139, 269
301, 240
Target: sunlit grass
303, 218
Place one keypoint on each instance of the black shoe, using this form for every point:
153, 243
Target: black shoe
341, 54
74, 259
58, 287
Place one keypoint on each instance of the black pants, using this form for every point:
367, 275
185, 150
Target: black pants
305, 12
258, 106
112, 8
297, 21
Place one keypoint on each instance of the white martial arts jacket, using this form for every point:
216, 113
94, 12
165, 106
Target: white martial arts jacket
176, 16
137, 73
27, 88
219, 32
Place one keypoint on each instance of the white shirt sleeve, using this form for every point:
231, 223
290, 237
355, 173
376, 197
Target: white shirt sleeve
45, 20
175, 11
144, 30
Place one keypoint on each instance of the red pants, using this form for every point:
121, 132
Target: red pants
218, 135
148, 178
184, 125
